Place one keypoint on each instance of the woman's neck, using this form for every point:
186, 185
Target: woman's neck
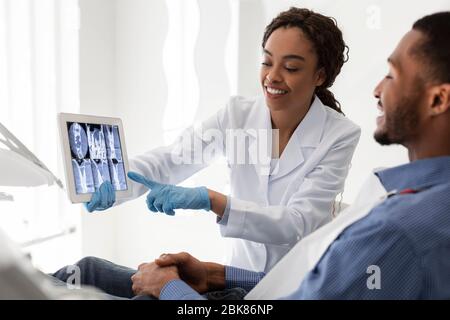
287, 120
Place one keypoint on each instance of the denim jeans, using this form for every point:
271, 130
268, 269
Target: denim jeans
116, 281
110, 278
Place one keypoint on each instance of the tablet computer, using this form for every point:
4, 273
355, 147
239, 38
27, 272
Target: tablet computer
94, 151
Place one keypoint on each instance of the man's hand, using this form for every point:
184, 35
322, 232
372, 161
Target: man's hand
150, 279
201, 276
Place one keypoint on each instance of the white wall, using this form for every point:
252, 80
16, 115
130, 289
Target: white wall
124, 73
142, 81
97, 96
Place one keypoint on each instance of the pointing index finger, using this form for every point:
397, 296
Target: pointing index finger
142, 180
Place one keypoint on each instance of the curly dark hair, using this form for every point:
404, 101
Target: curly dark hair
328, 43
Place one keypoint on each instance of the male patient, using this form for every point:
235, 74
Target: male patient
407, 236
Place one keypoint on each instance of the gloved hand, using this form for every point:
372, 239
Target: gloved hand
165, 197
103, 198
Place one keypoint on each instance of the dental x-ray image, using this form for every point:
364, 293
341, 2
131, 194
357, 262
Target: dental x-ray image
96, 156
97, 150
114, 155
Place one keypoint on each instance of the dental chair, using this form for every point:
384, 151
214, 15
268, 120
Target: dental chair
19, 280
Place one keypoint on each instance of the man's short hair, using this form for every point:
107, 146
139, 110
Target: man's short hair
434, 50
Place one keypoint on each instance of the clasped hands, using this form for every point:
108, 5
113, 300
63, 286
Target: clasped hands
201, 276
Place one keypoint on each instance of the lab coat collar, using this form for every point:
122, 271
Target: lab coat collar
308, 134
310, 129
260, 121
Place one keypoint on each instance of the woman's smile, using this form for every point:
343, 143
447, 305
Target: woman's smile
274, 92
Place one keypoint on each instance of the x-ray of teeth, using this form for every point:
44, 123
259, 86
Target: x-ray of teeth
83, 176
96, 156
113, 142
96, 140
117, 172
100, 171
78, 141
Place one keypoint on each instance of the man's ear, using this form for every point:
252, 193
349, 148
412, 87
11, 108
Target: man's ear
440, 99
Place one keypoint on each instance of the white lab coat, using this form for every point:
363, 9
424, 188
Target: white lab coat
267, 213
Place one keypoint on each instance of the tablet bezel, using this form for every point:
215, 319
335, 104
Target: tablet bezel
63, 119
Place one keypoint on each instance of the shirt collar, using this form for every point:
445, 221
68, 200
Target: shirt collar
416, 175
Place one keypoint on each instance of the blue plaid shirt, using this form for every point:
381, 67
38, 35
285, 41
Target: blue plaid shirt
404, 242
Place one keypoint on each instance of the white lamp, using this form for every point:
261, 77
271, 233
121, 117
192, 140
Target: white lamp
19, 166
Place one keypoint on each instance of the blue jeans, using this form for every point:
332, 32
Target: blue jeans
111, 278
116, 281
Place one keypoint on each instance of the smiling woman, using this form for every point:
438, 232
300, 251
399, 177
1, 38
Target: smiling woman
288, 192
303, 52
276, 198
305, 43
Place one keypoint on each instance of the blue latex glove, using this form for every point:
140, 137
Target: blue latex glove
103, 198
165, 197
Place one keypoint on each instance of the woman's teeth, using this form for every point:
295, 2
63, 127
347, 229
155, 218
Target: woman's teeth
275, 91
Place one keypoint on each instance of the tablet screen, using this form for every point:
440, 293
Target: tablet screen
96, 154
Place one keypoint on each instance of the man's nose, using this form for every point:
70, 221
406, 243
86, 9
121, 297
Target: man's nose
378, 89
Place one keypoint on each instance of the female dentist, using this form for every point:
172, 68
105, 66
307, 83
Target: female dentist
280, 197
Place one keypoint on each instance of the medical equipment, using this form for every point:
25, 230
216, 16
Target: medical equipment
94, 151
19, 167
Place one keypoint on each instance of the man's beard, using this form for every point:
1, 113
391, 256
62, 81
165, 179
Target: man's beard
401, 123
